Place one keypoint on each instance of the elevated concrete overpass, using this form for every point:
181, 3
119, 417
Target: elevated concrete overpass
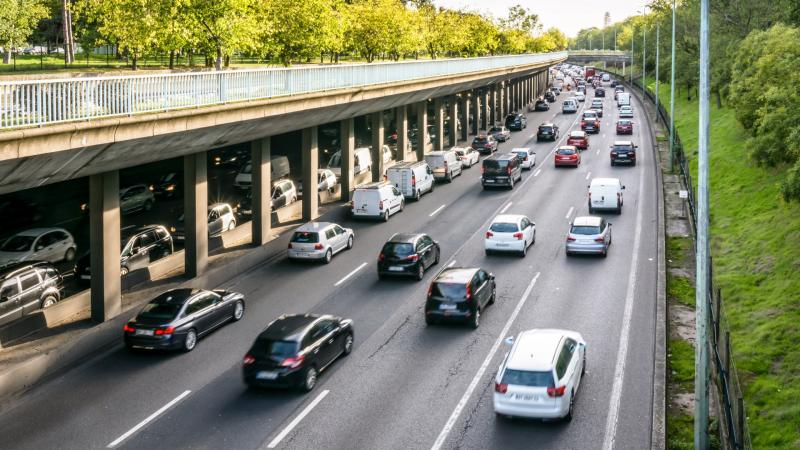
607, 56
56, 130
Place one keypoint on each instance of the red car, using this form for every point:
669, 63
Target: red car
567, 155
624, 126
578, 139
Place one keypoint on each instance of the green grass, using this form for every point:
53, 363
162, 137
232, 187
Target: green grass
681, 289
755, 243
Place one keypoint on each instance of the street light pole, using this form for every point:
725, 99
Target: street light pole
702, 281
672, 98
657, 56
644, 62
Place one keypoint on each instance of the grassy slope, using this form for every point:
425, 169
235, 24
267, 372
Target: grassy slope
755, 244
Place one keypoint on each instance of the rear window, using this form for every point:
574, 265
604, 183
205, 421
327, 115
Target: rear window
305, 237
495, 166
479, 140
279, 349
500, 227
576, 134
623, 148
495, 129
585, 230
546, 129
451, 291
528, 378
401, 249
565, 151
160, 311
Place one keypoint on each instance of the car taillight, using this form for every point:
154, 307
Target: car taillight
570, 238
556, 392
249, 359
500, 387
525, 159
632, 155
380, 204
318, 247
583, 124
509, 170
518, 236
489, 234
414, 258
483, 169
163, 331
381, 257
293, 361
618, 196
290, 245
128, 329
469, 292
413, 180
600, 239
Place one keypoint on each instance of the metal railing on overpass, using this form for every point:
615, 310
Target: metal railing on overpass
43, 102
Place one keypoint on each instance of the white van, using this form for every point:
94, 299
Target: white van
623, 98
445, 164
605, 194
362, 162
412, 179
279, 168
378, 200
569, 106
606, 77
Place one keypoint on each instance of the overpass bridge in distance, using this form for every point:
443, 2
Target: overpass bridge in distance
91, 127
607, 56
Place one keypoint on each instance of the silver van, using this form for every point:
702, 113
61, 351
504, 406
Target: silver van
445, 164
412, 179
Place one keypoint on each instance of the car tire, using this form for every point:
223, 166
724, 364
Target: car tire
492, 298
450, 177
417, 195
533, 241
568, 417
488, 252
381, 276
69, 255
433, 184
49, 301
605, 252
476, 319
429, 320
190, 340
347, 348
123, 271
238, 311
350, 242
310, 379
438, 254
328, 257
386, 216
402, 205
231, 225
524, 251
420, 271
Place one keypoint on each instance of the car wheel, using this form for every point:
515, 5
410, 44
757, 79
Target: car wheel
511, 183
402, 205
348, 344
69, 255
231, 225
612, 163
433, 184
436, 260
350, 242
190, 340
148, 205
238, 311
123, 271
381, 276
310, 380
328, 256
568, 417
49, 301
605, 252
386, 216
476, 319
583, 367
417, 195
534, 238
429, 320
524, 251
492, 298
450, 177
420, 271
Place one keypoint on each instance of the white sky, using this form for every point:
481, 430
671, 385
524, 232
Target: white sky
568, 16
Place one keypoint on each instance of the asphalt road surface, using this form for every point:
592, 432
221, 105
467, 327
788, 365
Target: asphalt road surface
406, 385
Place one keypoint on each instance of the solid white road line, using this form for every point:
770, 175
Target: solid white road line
597, 152
149, 419
588, 175
569, 213
346, 277
537, 173
503, 211
436, 211
274, 443
622, 352
452, 263
474, 383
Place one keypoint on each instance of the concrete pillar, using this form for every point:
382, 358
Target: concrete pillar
376, 121
347, 139
422, 129
401, 119
493, 117
310, 155
438, 112
104, 241
195, 214
476, 112
506, 98
261, 189
501, 99
485, 109
453, 113
464, 116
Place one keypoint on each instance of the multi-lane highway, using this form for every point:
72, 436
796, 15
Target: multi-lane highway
406, 385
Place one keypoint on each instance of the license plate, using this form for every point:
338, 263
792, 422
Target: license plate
584, 241
502, 245
266, 375
395, 269
141, 332
526, 397
489, 181
86, 277
447, 307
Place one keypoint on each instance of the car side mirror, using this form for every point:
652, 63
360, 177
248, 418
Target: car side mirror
623, 187
609, 224
587, 186
3, 298
509, 341
491, 276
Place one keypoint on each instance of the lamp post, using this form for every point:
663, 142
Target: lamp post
657, 61
672, 98
644, 52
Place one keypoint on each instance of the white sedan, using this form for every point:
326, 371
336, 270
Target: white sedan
580, 96
467, 155
38, 244
510, 233
527, 157
625, 112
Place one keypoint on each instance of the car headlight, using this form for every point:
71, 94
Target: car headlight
171, 229
170, 188
151, 187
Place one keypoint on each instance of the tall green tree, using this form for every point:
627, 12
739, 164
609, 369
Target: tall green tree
18, 19
131, 24
225, 26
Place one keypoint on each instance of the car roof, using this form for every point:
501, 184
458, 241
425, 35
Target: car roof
580, 133
535, 350
176, 296
589, 221
38, 231
456, 275
289, 327
372, 186
508, 218
410, 164
405, 237
499, 156
436, 153
547, 124
217, 205
128, 232
521, 149
568, 147
604, 181
314, 226
12, 269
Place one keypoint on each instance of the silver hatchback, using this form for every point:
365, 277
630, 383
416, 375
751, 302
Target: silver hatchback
589, 234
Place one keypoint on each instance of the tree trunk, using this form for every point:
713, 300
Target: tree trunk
218, 63
135, 59
322, 57
66, 26
7, 55
227, 60
718, 97
171, 59
337, 58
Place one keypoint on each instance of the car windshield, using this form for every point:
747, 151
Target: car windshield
479, 140
500, 227
623, 148
305, 237
401, 249
495, 129
494, 166
565, 151
168, 177
248, 168
18, 244
584, 229
460, 152
158, 310
528, 378
455, 291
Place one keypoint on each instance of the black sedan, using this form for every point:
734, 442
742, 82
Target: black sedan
294, 349
459, 294
408, 254
547, 131
599, 92
176, 319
